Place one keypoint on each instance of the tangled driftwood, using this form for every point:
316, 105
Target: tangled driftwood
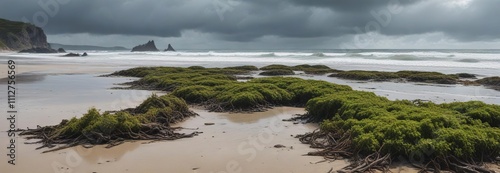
49, 138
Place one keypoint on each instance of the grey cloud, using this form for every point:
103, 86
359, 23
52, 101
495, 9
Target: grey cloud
474, 22
249, 20
353, 6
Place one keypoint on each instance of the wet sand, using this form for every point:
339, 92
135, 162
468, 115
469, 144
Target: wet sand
236, 143
47, 99
51, 69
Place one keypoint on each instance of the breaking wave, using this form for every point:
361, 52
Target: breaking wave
469, 60
268, 55
319, 54
407, 58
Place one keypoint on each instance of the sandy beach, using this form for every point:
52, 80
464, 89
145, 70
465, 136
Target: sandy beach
243, 143
235, 143
249, 86
227, 144
59, 69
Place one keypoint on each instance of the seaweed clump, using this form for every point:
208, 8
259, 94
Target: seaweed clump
373, 130
277, 72
369, 129
412, 76
492, 82
221, 92
149, 121
306, 68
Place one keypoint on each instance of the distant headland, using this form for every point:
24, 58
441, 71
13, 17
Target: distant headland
24, 37
150, 47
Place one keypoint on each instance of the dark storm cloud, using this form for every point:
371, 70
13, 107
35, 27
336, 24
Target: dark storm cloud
358, 6
238, 20
474, 21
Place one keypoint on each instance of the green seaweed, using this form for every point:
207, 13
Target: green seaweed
195, 93
365, 75
248, 96
487, 113
151, 120
466, 75
493, 82
276, 67
308, 69
412, 76
244, 67
277, 72
356, 121
462, 130
428, 77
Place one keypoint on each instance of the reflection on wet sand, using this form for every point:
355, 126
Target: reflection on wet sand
248, 118
246, 140
26, 78
100, 154
243, 139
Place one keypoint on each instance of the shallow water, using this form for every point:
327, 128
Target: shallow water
438, 93
47, 99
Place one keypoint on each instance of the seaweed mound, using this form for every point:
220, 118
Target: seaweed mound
277, 72
306, 68
218, 89
492, 82
412, 76
459, 136
366, 128
149, 121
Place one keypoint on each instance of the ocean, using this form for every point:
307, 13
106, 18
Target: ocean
483, 63
480, 62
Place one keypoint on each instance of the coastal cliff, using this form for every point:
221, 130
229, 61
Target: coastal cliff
148, 47
16, 36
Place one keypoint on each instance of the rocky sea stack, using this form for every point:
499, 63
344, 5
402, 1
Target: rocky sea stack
148, 47
170, 48
17, 36
75, 54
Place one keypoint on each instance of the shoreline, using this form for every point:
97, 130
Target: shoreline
200, 120
352, 122
59, 69
99, 159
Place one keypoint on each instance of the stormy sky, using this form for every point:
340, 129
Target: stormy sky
265, 24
